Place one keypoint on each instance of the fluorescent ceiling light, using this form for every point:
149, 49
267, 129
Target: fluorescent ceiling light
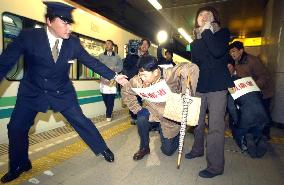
185, 35
156, 4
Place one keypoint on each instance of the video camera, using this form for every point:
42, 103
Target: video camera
133, 46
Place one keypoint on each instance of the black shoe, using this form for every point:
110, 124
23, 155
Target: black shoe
208, 174
261, 147
108, 155
192, 156
133, 122
13, 174
251, 145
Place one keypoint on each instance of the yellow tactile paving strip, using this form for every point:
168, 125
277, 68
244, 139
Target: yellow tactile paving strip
55, 158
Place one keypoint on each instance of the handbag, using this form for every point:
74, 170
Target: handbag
174, 107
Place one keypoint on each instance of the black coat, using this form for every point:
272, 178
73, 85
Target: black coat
130, 68
46, 84
210, 53
162, 60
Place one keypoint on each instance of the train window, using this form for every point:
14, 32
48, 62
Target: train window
12, 25
73, 69
94, 48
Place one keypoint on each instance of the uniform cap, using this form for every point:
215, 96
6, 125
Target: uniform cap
61, 10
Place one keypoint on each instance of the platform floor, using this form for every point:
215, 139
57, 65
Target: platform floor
67, 160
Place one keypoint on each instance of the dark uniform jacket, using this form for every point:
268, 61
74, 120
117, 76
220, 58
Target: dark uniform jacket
46, 84
210, 53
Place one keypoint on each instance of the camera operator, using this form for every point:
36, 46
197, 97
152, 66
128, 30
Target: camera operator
136, 50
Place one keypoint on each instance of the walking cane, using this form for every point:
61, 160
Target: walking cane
185, 102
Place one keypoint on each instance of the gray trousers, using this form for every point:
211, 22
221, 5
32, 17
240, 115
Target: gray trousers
215, 102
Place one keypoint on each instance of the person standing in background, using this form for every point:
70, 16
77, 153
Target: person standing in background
210, 53
167, 60
108, 88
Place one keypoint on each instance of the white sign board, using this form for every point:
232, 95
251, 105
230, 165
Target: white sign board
166, 66
154, 93
105, 89
243, 86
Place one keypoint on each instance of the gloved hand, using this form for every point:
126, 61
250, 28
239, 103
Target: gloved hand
143, 112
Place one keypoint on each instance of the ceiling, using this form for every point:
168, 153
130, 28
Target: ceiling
242, 17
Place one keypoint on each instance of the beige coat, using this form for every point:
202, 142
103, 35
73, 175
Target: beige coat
176, 79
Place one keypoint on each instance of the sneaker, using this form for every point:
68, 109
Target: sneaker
108, 119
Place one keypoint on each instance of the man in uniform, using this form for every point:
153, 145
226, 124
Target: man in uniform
46, 85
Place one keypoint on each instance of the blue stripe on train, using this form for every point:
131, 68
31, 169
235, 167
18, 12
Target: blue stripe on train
6, 113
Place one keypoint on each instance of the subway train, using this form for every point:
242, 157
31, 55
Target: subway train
92, 29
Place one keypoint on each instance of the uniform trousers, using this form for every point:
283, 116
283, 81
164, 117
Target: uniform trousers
23, 118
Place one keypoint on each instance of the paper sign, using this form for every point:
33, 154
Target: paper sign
242, 87
155, 93
165, 66
105, 89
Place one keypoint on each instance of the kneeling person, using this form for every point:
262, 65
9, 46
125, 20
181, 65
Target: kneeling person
249, 117
152, 112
